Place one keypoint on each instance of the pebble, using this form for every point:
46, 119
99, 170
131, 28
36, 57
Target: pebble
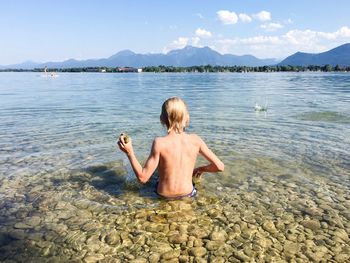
342, 257
112, 238
198, 251
178, 238
269, 226
218, 235
161, 248
171, 254
154, 258
93, 258
341, 233
311, 224
214, 245
22, 226
138, 260
290, 248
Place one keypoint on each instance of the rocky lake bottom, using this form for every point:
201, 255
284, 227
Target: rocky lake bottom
99, 214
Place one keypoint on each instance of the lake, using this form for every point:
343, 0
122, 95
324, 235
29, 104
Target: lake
68, 193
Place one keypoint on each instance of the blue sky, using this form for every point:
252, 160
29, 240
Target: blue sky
57, 30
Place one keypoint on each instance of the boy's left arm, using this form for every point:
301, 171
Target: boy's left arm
142, 173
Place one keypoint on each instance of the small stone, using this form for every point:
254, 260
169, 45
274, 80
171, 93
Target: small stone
199, 233
198, 251
342, 257
112, 239
290, 248
216, 259
218, 236
138, 260
311, 224
161, 248
178, 239
171, 254
315, 257
184, 259
313, 211
154, 258
199, 260
198, 243
269, 226
214, 245
341, 233
92, 258
33, 221
248, 233
21, 225
240, 255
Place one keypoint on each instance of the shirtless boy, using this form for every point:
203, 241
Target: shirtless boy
174, 154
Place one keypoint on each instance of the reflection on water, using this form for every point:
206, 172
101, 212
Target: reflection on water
67, 194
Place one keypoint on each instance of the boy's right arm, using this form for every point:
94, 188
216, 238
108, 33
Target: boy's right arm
215, 165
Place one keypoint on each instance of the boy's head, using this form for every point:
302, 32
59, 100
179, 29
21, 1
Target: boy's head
175, 115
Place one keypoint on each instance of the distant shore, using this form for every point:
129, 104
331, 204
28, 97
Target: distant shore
191, 69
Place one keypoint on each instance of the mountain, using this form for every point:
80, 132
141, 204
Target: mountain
188, 56
25, 65
336, 56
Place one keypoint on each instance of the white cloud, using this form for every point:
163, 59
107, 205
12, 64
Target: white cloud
244, 17
263, 16
310, 37
227, 17
181, 42
203, 33
195, 41
265, 46
286, 44
271, 26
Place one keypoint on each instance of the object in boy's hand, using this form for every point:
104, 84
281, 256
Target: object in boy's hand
125, 137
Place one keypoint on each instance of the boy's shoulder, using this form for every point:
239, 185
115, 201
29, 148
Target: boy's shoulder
189, 135
194, 136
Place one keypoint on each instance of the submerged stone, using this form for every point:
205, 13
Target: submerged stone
198, 251
311, 224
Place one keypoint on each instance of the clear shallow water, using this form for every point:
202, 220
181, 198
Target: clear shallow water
57, 144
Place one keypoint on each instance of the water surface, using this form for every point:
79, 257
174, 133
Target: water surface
58, 152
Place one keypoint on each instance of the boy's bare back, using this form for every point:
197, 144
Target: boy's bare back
177, 158
174, 154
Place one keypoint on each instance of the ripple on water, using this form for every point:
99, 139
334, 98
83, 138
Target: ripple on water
325, 116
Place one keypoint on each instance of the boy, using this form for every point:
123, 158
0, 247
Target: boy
174, 154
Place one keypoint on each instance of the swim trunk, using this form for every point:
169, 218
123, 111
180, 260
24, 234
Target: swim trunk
192, 194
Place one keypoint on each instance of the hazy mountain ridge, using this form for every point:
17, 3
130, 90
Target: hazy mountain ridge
188, 56
194, 56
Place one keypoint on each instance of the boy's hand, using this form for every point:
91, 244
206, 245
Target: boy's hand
125, 144
197, 172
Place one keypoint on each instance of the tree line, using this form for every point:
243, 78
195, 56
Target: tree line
193, 69
241, 69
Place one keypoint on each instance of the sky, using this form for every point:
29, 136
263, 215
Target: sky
43, 31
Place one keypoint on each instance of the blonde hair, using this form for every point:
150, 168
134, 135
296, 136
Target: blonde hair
175, 115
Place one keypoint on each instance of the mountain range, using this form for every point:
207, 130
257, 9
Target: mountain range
194, 56
188, 56
336, 56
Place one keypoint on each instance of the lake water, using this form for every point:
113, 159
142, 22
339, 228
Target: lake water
68, 193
